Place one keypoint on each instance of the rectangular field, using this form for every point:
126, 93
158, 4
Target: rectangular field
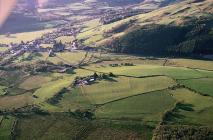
122, 87
203, 85
147, 107
6, 128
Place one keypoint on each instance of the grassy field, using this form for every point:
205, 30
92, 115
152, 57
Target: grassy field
65, 39
74, 100
26, 36
6, 127
147, 107
11, 102
195, 109
196, 64
2, 49
50, 127
144, 70
203, 85
49, 89
2, 90
34, 82
114, 89
64, 57
59, 126
47, 45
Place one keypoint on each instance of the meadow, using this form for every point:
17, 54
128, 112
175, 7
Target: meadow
62, 126
194, 109
202, 85
6, 127
2, 49
122, 87
148, 107
25, 36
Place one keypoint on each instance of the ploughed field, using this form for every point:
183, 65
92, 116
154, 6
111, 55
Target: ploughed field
130, 98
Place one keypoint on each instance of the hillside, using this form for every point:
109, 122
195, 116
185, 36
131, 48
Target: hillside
186, 25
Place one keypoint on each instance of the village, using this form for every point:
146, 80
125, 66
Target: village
15, 50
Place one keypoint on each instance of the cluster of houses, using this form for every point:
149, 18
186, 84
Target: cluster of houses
116, 15
17, 49
80, 81
49, 38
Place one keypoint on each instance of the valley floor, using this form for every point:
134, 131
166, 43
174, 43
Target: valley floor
139, 95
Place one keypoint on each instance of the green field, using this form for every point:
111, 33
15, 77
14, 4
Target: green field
59, 126
122, 87
2, 49
50, 89
145, 70
6, 128
65, 39
203, 85
34, 82
196, 64
74, 100
17, 101
195, 109
49, 127
146, 107
2, 90
26, 36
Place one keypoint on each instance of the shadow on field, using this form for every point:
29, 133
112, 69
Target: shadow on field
185, 107
110, 79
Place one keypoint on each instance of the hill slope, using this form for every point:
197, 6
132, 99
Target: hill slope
184, 28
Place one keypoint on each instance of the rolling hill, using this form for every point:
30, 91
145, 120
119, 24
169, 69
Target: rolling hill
183, 28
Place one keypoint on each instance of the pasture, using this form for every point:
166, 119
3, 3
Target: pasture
202, 85
2, 49
26, 36
34, 82
146, 107
62, 126
74, 100
49, 127
2, 90
17, 101
6, 127
195, 64
122, 87
50, 89
152, 69
65, 39
194, 109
